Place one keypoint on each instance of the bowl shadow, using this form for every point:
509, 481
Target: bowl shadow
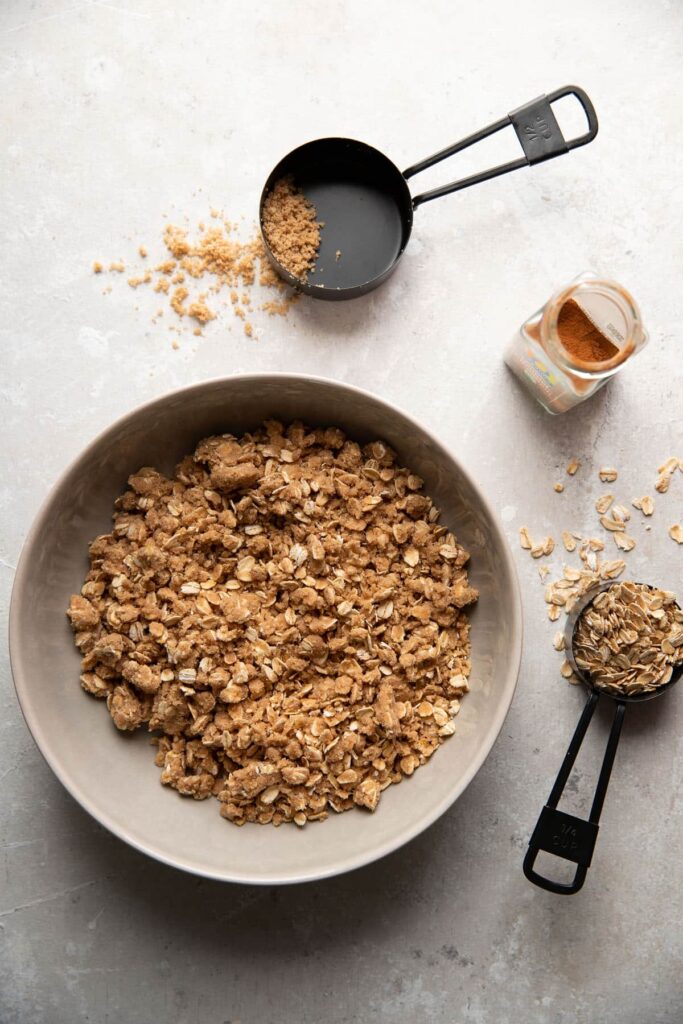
248, 921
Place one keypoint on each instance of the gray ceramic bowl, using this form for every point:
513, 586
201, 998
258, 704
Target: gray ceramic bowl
113, 775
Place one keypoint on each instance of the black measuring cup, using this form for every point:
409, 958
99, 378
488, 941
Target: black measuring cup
365, 203
558, 832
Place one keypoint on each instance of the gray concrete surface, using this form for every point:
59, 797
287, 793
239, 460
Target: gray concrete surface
116, 113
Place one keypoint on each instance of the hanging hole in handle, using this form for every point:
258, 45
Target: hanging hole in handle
549, 878
582, 100
559, 869
570, 116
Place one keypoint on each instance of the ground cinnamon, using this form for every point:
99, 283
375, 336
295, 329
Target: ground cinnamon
581, 338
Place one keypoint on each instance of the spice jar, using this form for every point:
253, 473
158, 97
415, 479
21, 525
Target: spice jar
571, 346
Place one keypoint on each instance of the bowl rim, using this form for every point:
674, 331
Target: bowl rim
363, 857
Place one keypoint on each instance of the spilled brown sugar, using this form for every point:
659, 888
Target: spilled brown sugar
291, 227
212, 259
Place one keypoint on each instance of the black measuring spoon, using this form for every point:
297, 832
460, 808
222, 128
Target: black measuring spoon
558, 832
365, 203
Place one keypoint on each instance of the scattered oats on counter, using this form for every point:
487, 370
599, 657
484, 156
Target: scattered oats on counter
645, 505
611, 524
570, 539
287, 615
603, 503
566, 671
623, 541
629, 639
666, 471
620, 513
524, 538
574, 583
546, 547
563, 593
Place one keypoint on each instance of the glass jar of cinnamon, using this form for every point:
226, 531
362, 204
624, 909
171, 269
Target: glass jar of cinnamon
571, 346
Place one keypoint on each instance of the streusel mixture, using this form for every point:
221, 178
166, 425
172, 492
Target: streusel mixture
286, 615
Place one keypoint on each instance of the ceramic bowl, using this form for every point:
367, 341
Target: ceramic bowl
112, 775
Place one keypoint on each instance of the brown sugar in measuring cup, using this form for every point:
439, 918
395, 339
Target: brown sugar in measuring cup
366, 204
570, 347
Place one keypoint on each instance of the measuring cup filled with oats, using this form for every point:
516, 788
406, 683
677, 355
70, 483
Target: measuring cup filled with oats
624, 641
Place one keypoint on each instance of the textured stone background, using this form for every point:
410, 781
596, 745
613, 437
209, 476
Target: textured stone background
115, 113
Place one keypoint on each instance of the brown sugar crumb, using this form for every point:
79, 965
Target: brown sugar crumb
145, 278
142, 251
177, 299
117, 267
248, 330
200, 311
558, 487
291, 228
197, 332
290, 663
281, 307
176, 241
97, 267
219, 261
175, 345
268, 276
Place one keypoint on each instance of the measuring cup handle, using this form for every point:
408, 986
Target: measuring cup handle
538, 132
563, 834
